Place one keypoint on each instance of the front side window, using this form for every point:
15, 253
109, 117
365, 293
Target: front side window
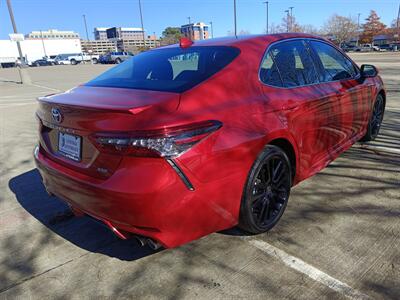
335, 66
169, 70
288, 64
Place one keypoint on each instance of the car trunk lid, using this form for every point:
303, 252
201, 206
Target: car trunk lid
68, 122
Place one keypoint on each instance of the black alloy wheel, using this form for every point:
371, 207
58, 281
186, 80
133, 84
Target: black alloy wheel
267, 191
377, 116
375, 122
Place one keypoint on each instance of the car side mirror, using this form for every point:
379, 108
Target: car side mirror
368, 71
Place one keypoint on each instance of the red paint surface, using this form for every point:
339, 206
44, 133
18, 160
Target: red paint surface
145, 195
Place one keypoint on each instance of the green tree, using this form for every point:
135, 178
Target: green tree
372, 27
171, 35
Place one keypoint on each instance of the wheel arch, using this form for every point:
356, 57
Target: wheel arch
288, 147
383, 93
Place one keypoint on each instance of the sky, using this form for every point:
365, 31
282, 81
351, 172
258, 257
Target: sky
158, 14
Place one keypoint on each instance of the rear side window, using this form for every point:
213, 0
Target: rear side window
334, 65
169, 70
288, 64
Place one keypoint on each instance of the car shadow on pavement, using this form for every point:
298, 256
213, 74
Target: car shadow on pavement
83, 232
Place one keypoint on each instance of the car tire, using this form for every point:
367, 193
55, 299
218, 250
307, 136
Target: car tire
375, 121
73, 62
95, 61
118, 61
265, 199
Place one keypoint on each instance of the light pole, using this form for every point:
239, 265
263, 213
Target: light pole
212, 29
44, 48
87, 39
358, 28
84, 21
234, 16
287, 20
266, 5
22, 71
141, 22
189, 20
291, 18
10, 10
398, 24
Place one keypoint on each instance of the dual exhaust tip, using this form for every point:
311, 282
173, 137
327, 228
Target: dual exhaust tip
143, 241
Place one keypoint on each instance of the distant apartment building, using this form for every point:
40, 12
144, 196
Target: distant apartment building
127, 33
98, 47
52, 34
133, 44
195, 31
100, 33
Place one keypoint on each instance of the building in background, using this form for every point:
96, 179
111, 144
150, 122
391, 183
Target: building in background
133, 45
52, 34
123, 38
100, 33
195, 31
127, 33
98, 47
33, 49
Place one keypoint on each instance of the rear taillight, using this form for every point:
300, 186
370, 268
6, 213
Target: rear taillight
168, 142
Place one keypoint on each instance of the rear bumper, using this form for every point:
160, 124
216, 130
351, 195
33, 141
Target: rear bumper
144, 196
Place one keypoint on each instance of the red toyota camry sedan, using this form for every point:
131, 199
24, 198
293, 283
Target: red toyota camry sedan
185, 140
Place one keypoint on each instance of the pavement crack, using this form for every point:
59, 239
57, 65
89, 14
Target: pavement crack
40, 274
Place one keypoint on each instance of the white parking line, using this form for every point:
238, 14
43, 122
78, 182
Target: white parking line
46, 87
312, 272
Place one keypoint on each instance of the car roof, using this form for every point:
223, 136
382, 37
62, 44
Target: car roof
244, 39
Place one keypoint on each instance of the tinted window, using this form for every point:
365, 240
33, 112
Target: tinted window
334, 65
288, 64
269, 73
170, 70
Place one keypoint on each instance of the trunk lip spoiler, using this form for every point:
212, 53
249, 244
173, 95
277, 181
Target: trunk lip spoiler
133, 110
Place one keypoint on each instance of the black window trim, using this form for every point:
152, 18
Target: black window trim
310, 52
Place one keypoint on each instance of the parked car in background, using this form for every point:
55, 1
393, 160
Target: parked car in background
41, 62
51, 58
349, 48
75, 58
367, 48
102, 59
115, 57
396, 46
185, 140
385, 47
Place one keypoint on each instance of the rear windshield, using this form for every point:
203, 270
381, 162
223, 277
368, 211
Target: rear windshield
169, 70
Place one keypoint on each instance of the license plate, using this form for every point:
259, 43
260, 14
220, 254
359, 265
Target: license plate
69, 146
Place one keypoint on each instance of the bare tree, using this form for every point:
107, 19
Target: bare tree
241, 32
274, 28
244, 32
290, 24
311, 29
342, 28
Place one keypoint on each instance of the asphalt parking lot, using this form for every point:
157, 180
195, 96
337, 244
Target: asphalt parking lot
339, 237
